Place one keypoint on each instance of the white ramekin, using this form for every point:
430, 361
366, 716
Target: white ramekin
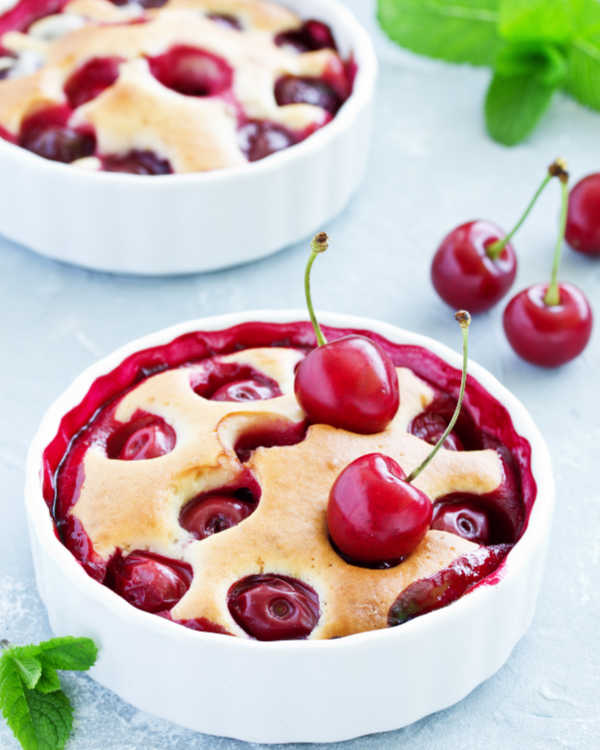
292, 691
201, 221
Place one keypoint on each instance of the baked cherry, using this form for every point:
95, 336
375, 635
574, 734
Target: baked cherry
273, 607
144, 437
48, 134
375, 516
447, 585
463, 519
91, 79
475, 264
430, 426
550, 324
192, 71
210, 514
148, 581
291, 89
350, 383
243, 390
261, 138
24, 13
310, 37
136, 162
583, 218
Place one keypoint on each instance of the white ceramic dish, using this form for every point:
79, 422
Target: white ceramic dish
298, 691
202, 221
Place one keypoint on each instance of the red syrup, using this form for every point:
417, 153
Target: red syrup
91, 422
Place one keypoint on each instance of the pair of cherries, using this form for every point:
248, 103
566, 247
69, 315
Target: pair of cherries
375, 515
475, 266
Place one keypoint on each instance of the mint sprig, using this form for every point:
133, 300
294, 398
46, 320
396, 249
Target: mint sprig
534, 46
31, 700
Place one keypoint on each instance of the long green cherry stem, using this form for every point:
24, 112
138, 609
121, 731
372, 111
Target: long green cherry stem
464, 320
556, 169
552, 296
319, 244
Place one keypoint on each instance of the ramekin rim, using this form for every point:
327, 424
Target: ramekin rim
41, 523
363, 89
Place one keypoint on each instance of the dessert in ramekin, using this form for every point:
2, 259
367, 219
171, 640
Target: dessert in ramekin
228, 104
182, 475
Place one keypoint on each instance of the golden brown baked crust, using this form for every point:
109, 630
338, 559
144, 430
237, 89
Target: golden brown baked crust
136, 504
139, 113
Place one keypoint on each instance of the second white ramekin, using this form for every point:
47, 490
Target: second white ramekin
292, 691
202, 221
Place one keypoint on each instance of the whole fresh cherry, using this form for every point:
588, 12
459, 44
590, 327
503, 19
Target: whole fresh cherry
375, 515
550, 324
149, 582
350, 382
475, 264
583, 218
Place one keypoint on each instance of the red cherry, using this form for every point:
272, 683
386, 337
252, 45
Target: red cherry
465, 273
149, 582
211, 514
463, 519
374, 515
430, 426
583, 220
548, 335
271, 607
307, 90
311, 36
145, 436
350, 383
91, 79
136, 162
48, 134
260, 138
244, 390
192, 71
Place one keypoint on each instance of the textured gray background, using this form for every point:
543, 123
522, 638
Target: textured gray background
431, 168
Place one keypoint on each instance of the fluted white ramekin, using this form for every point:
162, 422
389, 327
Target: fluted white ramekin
292, 691
202, 221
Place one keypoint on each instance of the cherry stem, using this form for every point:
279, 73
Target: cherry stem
464, 320
552, 296
319, 244
556, 169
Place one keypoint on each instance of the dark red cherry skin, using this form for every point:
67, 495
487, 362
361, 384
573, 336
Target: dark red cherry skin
25, 12
192, 71
145, 436
548, 335
137, 162
464, 275
260, 138
91, 79
350, 383
149, 582
244, 390
273, 608
311, 36
374, 516
463, 519
430, 426
48, 134
306, 90
212, 514
447, 585
583, 217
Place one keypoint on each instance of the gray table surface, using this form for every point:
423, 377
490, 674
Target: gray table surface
432, 167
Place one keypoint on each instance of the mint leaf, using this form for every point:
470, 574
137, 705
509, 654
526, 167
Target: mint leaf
583, 78
537, 20
514, 106
69, 653
452, 30
31, 701
545, 62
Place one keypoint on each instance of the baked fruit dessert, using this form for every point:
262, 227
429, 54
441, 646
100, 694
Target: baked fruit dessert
192, 481
161, 87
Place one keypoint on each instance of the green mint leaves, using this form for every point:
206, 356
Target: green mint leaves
31, 699
535, 47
